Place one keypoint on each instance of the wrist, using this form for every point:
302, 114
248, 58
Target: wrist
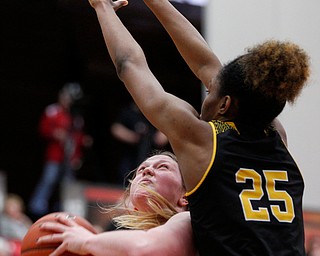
98, 3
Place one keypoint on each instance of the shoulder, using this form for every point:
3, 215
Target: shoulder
280, 129
176, 235
179, 223
180, 217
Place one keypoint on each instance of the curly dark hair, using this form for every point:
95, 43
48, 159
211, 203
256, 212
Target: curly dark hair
262, 80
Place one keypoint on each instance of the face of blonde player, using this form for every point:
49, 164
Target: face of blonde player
160, 173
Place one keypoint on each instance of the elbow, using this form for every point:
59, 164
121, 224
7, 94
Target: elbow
126, 62
121, 65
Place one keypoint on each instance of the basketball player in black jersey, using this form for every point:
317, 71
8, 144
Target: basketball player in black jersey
244, 188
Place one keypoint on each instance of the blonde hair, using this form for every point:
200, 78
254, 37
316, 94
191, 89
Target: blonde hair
161, 209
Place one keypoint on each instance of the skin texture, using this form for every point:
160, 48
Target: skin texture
185, 130
159, 173
188, 132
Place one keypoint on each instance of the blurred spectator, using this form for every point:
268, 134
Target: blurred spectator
139, 137
10, 247
5, 247
65, 139
14, 223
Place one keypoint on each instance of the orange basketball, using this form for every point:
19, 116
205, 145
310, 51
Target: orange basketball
29, 246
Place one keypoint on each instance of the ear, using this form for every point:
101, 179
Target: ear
183, 202
225, 104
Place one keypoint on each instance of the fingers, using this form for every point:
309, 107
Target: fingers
62, 223
118, 4
67, 220
53, 238
53, 227
115, 4
61, 249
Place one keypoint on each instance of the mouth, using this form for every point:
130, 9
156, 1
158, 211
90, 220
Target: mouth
145, 181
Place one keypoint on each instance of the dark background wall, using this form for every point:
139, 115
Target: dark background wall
46, 43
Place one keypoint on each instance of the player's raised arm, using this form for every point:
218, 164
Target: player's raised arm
133, 71
190, 43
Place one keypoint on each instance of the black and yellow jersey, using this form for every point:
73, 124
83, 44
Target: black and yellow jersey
249, 201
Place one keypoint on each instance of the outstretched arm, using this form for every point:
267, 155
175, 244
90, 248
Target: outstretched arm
192, 46
174, 117
173, 238
189, 42
133, 70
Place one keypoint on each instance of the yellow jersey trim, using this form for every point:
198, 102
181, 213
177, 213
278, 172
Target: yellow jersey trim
214, 149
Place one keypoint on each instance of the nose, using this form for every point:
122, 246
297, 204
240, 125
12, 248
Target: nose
148, 171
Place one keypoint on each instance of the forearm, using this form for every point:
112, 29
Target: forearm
188, 40
118, 243
175, 236
171, 239
121, 45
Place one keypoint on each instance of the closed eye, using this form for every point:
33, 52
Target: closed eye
141, 168
163, 166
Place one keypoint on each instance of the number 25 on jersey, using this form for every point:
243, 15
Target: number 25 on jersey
257, 192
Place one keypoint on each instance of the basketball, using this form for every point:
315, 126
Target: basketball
29, 246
